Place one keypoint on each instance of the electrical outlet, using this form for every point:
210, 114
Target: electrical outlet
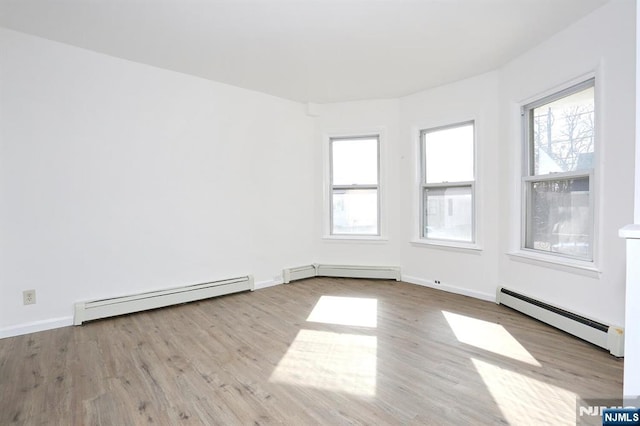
437, 281
29, 297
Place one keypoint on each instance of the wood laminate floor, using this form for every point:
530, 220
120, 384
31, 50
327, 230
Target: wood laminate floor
318, 351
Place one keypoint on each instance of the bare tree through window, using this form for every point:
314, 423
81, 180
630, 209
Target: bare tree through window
561, 147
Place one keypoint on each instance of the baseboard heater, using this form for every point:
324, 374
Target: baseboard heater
341, 271
104, 308
606, 336
299, 273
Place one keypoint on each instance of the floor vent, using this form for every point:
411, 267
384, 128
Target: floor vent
341, 271
603, 335
96, 309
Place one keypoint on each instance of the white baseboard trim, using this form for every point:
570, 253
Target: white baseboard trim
489, 297
35, 326
265, 284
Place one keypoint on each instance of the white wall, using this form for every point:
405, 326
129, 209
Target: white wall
632, 332
471, 272
350, 119
632, 311
118, 177
400, 121
602, 42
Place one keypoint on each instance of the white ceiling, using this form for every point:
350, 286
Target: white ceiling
305, 50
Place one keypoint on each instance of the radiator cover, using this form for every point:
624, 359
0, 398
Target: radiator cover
341, 271
104, 308
606, 336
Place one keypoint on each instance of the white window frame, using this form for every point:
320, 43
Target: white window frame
423, 185
529, 178
328, 233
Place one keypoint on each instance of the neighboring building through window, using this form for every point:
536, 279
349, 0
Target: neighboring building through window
447, 183
558, 173
355, 187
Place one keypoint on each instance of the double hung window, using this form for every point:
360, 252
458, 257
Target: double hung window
447, 183
355, 185
558, 173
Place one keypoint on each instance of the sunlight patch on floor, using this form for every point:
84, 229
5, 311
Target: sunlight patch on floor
525, 400
330, 361
488, 336
353, 311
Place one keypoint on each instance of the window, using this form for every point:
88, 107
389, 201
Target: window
558, 178
355, 198
447, 183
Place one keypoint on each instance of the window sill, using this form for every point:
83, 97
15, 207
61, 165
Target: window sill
355, 238
630, 232
448, 245
580, 267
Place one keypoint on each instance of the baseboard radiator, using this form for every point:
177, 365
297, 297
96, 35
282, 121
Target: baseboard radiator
606, 336
341, 271
96, 309
299, 273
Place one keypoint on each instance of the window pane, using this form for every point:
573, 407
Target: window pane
355, 211
449, 154
562, 133
559, 217
355, 161
448, 213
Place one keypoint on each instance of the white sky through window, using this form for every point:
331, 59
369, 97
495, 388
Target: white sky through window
449, 154
355, 161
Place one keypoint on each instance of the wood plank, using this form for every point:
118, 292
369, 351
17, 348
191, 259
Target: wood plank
254, 358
